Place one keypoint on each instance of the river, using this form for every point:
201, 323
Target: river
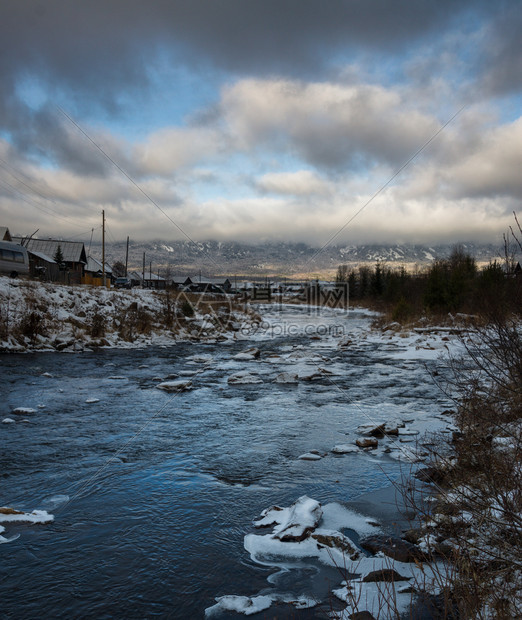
153, 493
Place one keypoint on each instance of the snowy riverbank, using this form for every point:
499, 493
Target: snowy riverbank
36, 316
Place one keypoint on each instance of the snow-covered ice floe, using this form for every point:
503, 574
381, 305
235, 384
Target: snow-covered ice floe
249, 605
375, 583
10, 515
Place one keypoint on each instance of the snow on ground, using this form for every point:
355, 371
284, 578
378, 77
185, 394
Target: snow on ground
38, 316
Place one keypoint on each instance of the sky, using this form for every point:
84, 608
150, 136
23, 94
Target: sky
256, 120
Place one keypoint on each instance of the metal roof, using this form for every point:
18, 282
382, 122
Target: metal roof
95, 265
44, 257
73, 251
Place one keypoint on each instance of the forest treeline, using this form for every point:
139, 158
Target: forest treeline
448, 285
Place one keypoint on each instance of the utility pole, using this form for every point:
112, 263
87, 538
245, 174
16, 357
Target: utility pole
127, 257
103, 250
143, 272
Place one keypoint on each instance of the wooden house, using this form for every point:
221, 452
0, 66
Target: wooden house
73, 252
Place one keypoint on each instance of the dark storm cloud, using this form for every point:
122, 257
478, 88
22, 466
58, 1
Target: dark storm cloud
501, 58
97, 53
100, 48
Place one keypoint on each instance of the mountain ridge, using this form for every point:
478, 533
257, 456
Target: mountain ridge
283, 258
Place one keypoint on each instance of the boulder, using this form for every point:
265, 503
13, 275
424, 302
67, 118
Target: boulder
384, 574
175, 386
299, 520
250, 354
286, 377
367, 442
23, 411
336, 540
344, 449
393, 547
310, 456
244, 377
381, 429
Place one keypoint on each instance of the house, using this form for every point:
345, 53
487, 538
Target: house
93, 272
210, 285
5, 235
179, 282
43, 267
135, 278
73, 252
151, 280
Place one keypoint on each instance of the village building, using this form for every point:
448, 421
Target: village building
209, 285
151, 280
43, 267
181, 282
93, 272
73, 252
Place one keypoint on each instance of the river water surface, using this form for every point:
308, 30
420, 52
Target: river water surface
153, 493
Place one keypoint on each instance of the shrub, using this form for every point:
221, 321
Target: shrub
187, 308
97, 325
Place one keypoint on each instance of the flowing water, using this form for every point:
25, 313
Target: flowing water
153, 492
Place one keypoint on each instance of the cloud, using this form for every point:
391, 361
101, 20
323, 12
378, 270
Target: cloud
308, 109
170, 149
300, 183
492, 168
499, 63
330, 125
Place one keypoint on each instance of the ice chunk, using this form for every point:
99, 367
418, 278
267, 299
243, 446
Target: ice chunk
8, 421
10, 515
92, 400
241, 604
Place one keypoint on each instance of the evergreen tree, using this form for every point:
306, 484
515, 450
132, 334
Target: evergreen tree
58, 257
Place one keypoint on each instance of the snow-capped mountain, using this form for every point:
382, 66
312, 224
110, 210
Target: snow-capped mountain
216, 257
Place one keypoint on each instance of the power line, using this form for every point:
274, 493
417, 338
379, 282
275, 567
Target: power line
383, 187
127, 176
30, 201
8, 169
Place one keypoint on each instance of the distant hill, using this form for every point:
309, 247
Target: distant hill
214, 258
